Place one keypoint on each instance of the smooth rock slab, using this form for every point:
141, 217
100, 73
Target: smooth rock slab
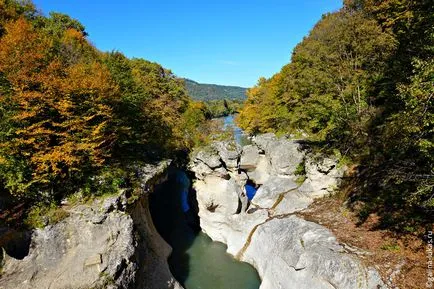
294, 253
269, 193
293, 201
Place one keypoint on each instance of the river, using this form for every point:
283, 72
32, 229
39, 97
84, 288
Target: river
196, 261
240, 137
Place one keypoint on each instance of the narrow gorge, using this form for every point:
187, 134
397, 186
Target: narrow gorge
242, 199
216, 145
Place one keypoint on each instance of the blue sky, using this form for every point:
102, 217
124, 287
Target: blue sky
231, 42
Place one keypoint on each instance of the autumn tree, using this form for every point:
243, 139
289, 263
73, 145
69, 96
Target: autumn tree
324, 90
71, 115
58, 127
361, 82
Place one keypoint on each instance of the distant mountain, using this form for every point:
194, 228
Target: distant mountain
207, 92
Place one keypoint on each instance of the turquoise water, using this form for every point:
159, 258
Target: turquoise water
196, 261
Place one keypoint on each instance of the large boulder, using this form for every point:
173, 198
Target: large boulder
209, 157
323, 176
285, 156
229, 153
217, 200
261, 173
263, 141
249, 158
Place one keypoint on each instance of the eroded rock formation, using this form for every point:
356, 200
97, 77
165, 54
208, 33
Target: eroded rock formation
110, 243
287, 251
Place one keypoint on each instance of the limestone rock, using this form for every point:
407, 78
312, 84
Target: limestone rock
285, 155
99, 245
209, 157
294, 253
217, 195
269, 193
229, 153
293, 201
287, 251
263, 141
201, 170
322, 176
249, 158
261, 173
65, 255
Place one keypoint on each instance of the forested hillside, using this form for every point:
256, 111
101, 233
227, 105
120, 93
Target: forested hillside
207, 92
220, 100
361, 84
69, 112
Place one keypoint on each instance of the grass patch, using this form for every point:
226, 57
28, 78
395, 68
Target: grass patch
391, 247
343, 160
300, 172
42, 215
300, 180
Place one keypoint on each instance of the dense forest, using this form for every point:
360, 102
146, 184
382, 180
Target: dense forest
361, 84
69, 112
207, 92
220, 100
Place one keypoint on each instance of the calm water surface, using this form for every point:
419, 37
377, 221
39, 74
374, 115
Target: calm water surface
196, 261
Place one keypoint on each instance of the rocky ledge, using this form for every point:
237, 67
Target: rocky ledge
110, 243
287, 251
